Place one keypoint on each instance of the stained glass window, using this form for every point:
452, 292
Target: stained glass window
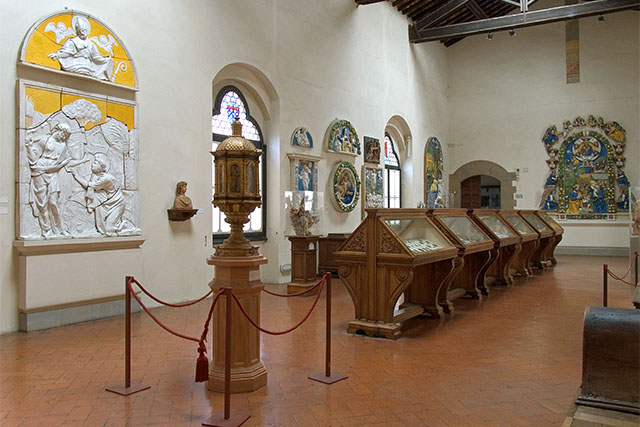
392, 174
231, 104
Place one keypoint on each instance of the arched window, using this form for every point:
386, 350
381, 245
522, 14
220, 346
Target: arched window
230, 103
392, 174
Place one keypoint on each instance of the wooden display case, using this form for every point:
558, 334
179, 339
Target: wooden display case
394, 252
545, 233
506, 245
474, 253
303, 264
558, 231
327, 246
529, 242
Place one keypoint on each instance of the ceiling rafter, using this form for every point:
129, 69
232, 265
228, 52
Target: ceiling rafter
439, 14
537, 17
477, 11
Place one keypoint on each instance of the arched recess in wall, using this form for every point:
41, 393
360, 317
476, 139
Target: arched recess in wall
484, 167
259, 97
398, 130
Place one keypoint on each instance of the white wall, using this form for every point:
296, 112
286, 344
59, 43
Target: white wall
324, 59
505, 92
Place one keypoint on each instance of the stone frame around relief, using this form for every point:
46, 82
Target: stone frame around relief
345, 186
342, 138
372, 187
301, 137
303, 168
101, 127
372, 150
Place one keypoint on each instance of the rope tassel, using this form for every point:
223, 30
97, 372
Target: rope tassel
202, 365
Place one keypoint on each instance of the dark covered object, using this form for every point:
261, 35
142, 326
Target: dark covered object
611, 359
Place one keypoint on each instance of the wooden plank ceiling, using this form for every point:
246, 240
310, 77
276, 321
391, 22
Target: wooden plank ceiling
449, 21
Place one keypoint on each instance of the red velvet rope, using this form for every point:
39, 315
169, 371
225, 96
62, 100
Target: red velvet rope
162, 325
292, 295
185, 304
255, 325
621, 279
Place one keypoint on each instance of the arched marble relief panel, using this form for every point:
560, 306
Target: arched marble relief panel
433, 165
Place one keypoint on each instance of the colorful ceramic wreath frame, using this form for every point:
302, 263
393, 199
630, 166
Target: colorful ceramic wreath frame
346, 186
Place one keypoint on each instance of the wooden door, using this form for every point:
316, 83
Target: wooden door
470, 189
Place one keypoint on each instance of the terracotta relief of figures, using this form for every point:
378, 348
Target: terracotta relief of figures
304, 172
586, 167
433, 166
371, 150
78, 44
346, 186
301, 138
373, 187
77, 162
343, 138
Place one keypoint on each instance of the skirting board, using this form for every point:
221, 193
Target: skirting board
60, 316
592, 251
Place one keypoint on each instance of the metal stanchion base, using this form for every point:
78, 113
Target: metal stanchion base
217, 420
322, 378
126, 391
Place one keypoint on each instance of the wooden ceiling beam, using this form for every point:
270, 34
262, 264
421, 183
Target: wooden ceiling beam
536, 17
439, 14
477, 10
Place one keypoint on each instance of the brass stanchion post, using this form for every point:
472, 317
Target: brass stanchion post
224, 419
328, 377
128, 388
605, 285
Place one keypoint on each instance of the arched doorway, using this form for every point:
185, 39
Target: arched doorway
480, 191
471, 174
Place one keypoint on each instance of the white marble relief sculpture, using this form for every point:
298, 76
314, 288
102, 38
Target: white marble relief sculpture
301, 138
304, 172
76, 182
47, 155
103, 197
79, 54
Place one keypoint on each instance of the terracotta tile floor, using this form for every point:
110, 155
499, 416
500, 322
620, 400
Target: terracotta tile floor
512, 360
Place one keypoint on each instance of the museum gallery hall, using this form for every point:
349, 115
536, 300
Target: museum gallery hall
320, 213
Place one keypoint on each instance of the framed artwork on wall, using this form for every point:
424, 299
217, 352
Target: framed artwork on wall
371, 150
372, 188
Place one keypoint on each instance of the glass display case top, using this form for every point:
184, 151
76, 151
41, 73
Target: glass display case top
464, 229
552, 222
494, 224
519, 224
418, 234
536, 222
